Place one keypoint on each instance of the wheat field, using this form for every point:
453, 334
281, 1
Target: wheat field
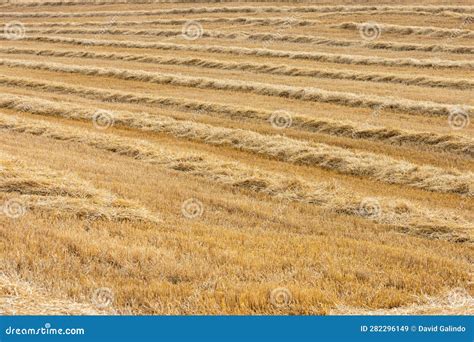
182, 158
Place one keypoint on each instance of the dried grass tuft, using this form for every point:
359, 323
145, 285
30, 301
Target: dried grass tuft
63, 194
18, 297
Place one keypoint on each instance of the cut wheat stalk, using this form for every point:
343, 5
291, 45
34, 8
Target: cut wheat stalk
238, 20
441, 143
267, 68
411, 30
257, 52
20, 297
269, 37
457, 301
400, 214
379, 12
298, 93
378, 167
243, 9
43, 189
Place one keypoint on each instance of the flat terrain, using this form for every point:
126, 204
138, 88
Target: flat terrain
236, 158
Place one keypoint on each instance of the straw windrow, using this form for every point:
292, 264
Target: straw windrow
43, 189
257, 88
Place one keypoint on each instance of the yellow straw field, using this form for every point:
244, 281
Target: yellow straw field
177, 158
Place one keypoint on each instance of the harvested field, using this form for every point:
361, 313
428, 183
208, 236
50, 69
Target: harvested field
236, 158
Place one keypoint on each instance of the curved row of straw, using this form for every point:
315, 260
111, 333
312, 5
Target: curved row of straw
241, 51
298, 93
398, 213
362, 164
261, 68
432, 141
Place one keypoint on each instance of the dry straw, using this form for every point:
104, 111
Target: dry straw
22, 298
61, 193
381, 168
442, 14
268, 36
412, 30
258, 88
237, 20
409, 217
242, 51
457, 301
433, 141
247, 9
267, 68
